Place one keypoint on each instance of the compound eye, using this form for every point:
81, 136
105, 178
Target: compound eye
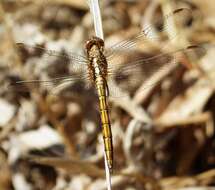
100, 43
88, 44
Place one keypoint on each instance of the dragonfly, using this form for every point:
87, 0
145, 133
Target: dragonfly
99, 65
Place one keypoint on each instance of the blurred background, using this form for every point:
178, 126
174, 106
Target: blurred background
162, 120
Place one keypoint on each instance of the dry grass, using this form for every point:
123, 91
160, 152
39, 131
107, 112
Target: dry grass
163, 127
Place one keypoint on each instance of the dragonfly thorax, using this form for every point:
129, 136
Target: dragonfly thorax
97, 64
94, 52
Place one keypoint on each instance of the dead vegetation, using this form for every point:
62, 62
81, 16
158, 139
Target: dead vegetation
163, 127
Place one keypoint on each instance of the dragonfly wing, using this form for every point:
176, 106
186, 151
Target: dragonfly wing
62, 60
50, 68
39, 50
53, 86
165, 26
148, 71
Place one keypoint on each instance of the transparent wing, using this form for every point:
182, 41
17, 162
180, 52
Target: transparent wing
40, 50
130, 67
28, 85
50, 68
166, 25
147, 71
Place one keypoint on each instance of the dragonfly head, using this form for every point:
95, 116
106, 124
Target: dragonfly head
95, 41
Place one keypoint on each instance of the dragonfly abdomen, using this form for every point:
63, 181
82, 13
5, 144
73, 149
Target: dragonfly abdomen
105, 120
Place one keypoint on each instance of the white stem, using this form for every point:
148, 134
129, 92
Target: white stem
107, 172
95, 11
